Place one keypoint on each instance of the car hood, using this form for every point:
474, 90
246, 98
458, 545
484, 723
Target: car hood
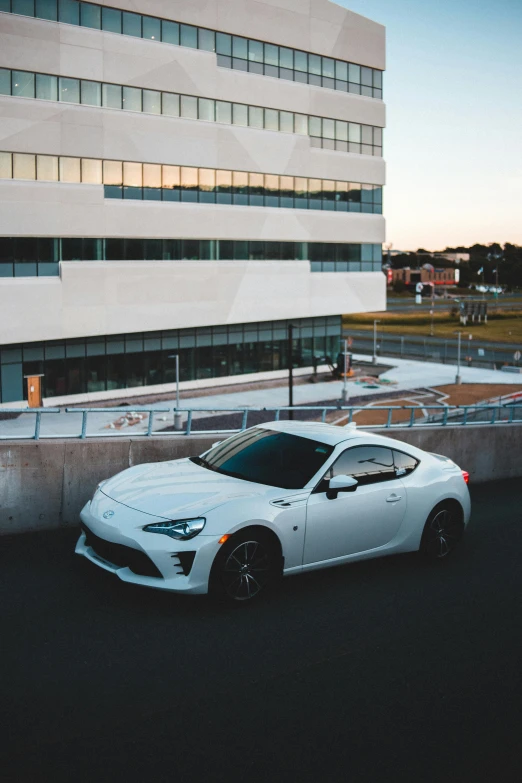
178, 489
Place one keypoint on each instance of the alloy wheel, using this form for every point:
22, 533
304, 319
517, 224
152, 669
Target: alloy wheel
246, 571
443, 534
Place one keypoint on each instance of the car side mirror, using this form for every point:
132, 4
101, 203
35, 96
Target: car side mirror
341, 484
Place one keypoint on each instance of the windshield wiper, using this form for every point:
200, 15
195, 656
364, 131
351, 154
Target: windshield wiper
202, 463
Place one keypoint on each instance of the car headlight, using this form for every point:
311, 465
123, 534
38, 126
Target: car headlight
183, 529
100, 485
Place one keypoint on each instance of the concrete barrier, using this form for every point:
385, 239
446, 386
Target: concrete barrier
44, 484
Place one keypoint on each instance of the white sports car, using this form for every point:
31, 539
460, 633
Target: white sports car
280, 498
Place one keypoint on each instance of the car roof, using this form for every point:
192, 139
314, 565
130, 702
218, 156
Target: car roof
324, 433
333, 435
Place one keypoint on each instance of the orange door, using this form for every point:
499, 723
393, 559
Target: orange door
34, 391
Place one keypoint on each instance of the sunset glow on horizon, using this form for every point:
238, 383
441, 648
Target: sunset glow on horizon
452, 145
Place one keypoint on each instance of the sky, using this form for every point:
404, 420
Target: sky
453, 142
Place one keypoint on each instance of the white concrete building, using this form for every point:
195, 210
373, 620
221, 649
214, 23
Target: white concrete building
184, 176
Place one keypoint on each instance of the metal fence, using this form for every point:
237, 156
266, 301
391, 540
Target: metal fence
474, 353
74, 422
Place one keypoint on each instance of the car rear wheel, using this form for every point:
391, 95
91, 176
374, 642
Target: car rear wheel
442, 532
247, 566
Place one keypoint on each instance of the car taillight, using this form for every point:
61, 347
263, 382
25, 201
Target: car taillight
465, 476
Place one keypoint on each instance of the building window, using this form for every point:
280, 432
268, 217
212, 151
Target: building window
101, 363
46, 253
243, 54
208, 186
324, 133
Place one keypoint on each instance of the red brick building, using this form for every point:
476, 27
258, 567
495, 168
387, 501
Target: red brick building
427, 275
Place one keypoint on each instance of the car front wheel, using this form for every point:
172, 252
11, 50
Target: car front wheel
442, 532
247, 565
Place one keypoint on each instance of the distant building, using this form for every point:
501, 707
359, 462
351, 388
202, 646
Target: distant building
427, 274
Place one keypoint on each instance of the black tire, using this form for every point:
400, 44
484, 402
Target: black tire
442, 532
247, 566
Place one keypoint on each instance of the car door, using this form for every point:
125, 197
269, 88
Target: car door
355, 521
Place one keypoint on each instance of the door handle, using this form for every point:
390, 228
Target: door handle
393, 498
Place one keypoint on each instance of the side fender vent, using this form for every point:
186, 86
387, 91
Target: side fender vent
291, 501
186, 560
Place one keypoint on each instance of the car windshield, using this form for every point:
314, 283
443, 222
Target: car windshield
268, 457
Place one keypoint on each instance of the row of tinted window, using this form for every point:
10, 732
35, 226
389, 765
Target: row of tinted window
145, 358
168, 339
233, 51
338, 134
153, 181
53, 250
367, 77
259, 190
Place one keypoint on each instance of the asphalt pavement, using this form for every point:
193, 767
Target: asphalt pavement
407, 304
386, 670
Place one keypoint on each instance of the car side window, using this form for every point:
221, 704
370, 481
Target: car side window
367, 464
404, 463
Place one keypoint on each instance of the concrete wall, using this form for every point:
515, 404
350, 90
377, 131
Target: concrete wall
44, 484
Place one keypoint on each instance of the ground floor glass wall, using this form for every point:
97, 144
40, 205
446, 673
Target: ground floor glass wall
113, 362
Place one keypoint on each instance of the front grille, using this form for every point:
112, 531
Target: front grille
120, 555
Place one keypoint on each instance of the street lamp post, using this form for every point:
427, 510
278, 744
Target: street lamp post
374, 358
432, 306
458, 379
345, 374
290, 369
177, 414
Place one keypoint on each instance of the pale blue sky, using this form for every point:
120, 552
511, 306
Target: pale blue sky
453, 145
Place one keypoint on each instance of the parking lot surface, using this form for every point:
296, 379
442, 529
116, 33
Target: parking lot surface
390, 669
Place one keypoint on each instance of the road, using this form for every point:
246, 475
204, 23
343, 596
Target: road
379, 671
404, 305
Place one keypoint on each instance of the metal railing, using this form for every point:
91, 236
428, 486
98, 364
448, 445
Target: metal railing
440, 350
410, 416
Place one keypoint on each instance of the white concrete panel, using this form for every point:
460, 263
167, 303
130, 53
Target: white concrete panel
27, 43
61, 210
61, 129
95, 298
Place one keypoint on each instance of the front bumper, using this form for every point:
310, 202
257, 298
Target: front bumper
142, 558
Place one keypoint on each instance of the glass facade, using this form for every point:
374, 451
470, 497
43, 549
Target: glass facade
233, 51
325, 133
155, 182
41, 256
104, 363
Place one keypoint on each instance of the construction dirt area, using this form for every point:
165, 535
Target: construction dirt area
450, 394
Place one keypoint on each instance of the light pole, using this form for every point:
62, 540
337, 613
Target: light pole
290, 369
432, 306
458, 379
177, 414
374, 358
345, 374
